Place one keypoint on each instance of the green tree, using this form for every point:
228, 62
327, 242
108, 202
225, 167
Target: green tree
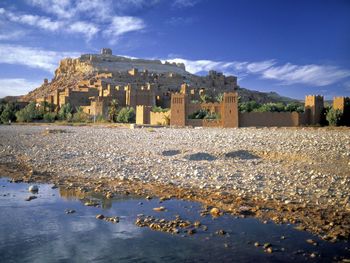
65, 112
334, 117
126, 115
29, 113
248, 106
113, 110
8, 113
294, 106
50, 116
271, 107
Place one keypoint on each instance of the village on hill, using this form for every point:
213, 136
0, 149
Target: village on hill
104, 87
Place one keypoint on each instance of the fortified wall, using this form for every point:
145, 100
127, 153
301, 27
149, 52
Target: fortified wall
182, 107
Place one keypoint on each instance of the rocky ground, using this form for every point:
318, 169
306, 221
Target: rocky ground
288, 175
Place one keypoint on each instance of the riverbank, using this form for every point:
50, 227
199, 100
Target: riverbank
287, 175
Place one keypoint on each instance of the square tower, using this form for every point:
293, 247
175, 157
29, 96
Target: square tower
314, 105
343, 104
178, 109
229, 110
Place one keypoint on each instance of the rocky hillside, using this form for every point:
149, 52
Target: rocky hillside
167, 77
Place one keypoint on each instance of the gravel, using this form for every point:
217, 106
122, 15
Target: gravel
291, 165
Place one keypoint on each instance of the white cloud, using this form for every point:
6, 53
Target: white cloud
85, 28
61, 8
34, 20
12, 35
286, 74
32, 57
180, 20
121, 25
317, 75
185, 3
70, 22
16, 86
97, 9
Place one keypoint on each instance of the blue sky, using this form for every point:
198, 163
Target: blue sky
295, 48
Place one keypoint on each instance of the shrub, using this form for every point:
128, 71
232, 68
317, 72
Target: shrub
159, 109
8, 113
29, 113
100, 118
80, 116
334, 117
248, 106
65, 112
294, 106
126, 115
50, 116
271, 107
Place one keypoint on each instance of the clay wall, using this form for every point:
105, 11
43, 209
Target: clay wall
159, 118
136, 96
212, 123
143, 114
211, 107
193, 122
192, 107
270, 119
97, 107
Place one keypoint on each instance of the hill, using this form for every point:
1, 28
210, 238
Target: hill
167, 77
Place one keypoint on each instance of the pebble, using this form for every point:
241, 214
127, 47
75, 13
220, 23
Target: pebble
215, 211
99, 216
279, 170
159, 209
33, 189
221, 232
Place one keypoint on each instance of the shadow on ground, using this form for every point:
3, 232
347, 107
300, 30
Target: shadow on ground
170, 152
241, 154
200, 157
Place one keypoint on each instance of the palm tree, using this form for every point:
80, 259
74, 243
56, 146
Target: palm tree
113, 110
